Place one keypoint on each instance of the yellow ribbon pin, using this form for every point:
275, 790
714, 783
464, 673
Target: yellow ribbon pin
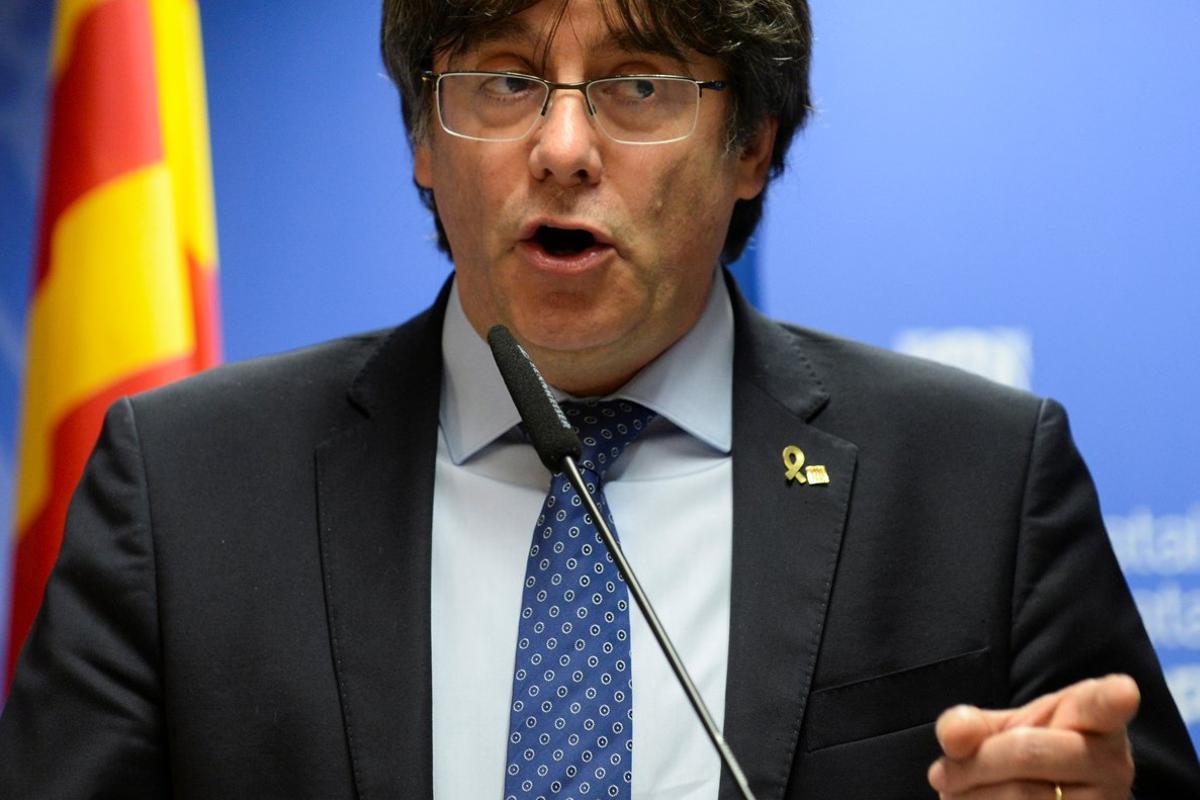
793, 459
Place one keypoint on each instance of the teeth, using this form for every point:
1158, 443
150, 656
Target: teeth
564, 241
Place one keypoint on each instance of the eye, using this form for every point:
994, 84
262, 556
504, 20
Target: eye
507, 85
631, 89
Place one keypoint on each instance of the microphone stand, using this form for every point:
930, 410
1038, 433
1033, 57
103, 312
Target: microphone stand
660, 633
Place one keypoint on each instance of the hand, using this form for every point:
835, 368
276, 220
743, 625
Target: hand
1075, 737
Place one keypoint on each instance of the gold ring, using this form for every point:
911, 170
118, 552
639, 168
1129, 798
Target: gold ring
1057, 792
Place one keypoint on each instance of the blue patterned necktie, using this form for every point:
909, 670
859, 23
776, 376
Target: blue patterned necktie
571, 719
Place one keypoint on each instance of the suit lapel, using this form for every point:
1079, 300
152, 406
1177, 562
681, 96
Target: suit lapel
786, 540
374, 494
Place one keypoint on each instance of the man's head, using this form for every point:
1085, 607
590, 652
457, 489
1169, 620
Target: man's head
595, 246
764, 45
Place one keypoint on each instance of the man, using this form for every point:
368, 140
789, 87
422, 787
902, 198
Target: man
305, 576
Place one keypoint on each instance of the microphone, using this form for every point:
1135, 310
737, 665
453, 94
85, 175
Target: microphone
558, 447
553, 437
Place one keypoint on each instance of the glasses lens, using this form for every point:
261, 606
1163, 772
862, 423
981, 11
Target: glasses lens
645, 110
481, 105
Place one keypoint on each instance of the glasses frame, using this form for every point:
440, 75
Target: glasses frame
429, 76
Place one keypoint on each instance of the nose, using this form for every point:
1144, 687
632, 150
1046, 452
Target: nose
565, 143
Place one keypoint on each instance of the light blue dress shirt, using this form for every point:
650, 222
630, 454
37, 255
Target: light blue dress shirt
671, 497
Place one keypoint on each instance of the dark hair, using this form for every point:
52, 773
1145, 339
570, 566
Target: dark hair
765, 46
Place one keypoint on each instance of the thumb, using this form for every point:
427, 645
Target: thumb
962, 729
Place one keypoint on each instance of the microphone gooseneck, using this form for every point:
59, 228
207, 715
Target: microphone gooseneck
558, 446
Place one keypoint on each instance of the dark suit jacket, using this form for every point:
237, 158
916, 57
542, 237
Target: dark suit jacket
241, 607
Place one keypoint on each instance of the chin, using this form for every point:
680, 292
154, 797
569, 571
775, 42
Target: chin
557, 334
564, 343
559, 320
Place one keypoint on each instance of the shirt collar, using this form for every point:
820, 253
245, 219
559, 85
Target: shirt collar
691, 384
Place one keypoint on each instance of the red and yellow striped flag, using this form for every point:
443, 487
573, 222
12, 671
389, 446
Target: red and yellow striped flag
124, 287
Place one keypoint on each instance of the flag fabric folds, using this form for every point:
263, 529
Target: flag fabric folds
124, 285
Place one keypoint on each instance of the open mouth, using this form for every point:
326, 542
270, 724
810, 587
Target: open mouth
564, 241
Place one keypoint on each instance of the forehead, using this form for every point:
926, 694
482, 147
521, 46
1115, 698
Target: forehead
598, 27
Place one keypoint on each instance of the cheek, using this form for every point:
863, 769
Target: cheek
689, 207
452, 186
668, 187
477, 189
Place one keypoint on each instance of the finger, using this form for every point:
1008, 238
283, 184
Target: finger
1036, 713
961, 729
1032, 754
1102, 705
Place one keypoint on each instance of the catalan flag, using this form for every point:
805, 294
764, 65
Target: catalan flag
124, 287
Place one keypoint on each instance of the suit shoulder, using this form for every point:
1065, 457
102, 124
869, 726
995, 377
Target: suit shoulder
310, 378
861, 378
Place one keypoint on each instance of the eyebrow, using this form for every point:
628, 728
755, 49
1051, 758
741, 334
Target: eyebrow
518, 30
506, 28
512, 29
627, 41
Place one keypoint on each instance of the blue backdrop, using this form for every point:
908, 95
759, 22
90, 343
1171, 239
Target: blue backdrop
1013, 187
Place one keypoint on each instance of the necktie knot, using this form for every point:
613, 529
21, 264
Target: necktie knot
605, 429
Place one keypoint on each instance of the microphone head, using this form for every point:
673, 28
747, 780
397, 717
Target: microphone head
553, 437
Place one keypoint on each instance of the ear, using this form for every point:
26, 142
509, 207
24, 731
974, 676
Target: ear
423, 165
755, 160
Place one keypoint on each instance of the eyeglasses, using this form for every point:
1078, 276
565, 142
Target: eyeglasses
630, 109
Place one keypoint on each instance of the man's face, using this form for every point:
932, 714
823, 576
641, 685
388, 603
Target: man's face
656, 214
